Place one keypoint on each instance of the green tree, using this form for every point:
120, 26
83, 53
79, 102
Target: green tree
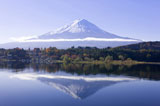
129, 59
148, 55
108, 58
101, 59
87, 59
121, 57
78, 59
66, 59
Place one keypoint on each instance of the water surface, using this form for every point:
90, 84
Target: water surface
79, 85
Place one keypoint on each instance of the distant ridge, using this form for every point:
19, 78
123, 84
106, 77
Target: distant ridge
144, 45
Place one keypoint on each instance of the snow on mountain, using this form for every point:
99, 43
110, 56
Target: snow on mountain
79, 29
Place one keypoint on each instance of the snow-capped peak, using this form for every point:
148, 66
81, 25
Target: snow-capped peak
79, 33
77, 26
80, 28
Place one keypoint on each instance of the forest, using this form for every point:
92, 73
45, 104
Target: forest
83, 54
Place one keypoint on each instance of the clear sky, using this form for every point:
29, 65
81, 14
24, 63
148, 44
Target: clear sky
130, 18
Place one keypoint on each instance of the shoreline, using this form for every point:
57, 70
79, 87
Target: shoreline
113, 62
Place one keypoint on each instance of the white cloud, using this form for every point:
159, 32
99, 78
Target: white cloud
22, 39
28, 39
88, 79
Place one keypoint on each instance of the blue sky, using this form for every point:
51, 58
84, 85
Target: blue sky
130, 18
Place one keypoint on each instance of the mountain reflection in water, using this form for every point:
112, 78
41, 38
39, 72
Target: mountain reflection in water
79, 87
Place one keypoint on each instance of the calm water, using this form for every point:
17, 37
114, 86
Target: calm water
79, 85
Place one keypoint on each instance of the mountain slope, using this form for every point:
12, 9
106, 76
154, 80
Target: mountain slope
78, 29
143, 45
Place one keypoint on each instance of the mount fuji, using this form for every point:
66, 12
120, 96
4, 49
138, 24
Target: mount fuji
78, 29
79, 33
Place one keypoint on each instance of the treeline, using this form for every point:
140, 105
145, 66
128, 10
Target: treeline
14, 54
89, 54
143, 45
106, 54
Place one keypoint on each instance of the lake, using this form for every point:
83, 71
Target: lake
79, 85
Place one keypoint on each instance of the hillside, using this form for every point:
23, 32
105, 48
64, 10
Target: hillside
143, 45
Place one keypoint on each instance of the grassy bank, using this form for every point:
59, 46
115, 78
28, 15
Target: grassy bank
114, 62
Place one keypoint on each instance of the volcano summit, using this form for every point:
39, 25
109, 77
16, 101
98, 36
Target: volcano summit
78, 33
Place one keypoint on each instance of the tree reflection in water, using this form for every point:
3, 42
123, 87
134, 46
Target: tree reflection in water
147, 71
